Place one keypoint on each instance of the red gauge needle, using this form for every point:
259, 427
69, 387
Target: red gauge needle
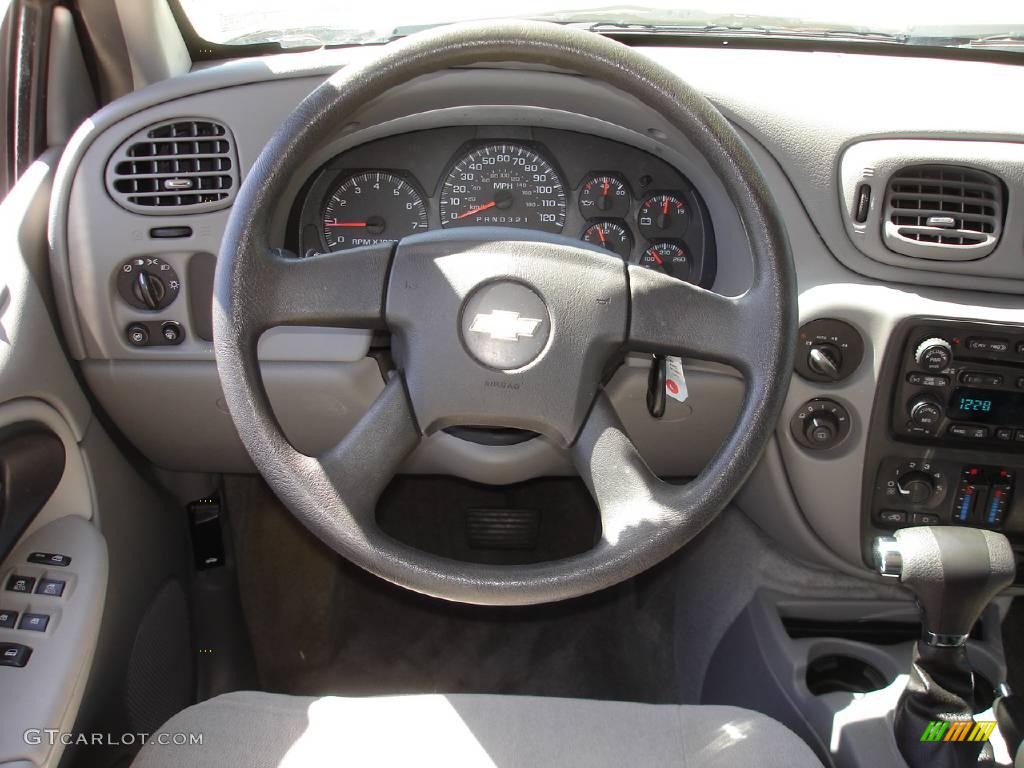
664, 207
600, 236
605, 187
657, 258
346, 224
479, 208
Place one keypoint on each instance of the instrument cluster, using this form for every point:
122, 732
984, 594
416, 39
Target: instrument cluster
611, 195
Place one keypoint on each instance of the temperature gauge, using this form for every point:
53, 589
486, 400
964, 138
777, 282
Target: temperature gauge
669, 258
604, 195
663, 216
610, 236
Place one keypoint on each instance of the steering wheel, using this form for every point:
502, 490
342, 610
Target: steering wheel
502, 327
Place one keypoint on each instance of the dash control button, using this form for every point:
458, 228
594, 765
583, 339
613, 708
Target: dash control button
138, 335
172, 332
8, 619
51, 587
988, 345
34, 622
21, 584
14, 654
49, 558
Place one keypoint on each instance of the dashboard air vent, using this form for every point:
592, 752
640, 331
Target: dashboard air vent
943, 212
180, 166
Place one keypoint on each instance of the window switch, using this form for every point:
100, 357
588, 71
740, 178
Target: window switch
22, 584
34, 622
51, 587
49, 558
7, 619
14, 654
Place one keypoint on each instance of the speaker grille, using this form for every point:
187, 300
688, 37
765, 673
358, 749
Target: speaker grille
160, 678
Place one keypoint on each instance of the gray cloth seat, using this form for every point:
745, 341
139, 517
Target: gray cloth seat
261, 730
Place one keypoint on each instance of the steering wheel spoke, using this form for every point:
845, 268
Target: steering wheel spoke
669, 316
364, 461
340, 289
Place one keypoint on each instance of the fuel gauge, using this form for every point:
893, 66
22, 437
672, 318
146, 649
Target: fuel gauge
610, 236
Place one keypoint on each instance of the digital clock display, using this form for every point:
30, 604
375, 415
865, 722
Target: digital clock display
985, 406
975, 404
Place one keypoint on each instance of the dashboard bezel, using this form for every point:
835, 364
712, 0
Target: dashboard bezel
304, 233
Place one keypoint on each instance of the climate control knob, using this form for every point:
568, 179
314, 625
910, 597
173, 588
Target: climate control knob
916, 487
925, 411
934, 354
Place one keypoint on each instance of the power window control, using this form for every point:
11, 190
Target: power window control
49, 558
34, 622
14, 654
22, 584
51, 587
7, 619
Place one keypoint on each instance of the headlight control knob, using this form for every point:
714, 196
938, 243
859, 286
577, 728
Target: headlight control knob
147, 282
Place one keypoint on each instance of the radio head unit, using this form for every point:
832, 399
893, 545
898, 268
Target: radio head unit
961, 384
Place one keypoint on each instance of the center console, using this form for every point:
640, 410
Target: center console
946, 440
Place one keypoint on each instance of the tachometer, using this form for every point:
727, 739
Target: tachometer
372, 207
503, 185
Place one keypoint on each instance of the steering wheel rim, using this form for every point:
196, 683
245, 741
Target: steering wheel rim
643, 519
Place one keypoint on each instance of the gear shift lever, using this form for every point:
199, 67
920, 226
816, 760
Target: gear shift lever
954, 573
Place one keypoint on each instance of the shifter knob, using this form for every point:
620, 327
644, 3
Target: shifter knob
953, 572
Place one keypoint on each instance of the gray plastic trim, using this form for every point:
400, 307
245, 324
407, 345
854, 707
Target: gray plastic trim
156, 50
32, 361
69, 94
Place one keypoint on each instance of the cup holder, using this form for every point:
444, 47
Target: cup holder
835, 672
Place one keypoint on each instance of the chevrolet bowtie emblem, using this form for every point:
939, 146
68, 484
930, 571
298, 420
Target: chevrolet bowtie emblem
502, 325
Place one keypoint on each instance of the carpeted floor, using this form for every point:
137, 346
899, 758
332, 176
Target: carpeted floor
320, 625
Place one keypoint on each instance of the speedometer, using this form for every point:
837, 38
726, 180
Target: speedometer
503, 185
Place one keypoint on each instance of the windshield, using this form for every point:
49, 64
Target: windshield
306, 23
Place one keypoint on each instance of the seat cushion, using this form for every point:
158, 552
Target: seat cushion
261, 730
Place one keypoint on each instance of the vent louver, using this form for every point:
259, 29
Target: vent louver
943, 212
180, 166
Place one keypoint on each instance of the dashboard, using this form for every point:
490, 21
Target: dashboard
609, 194
556, 151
